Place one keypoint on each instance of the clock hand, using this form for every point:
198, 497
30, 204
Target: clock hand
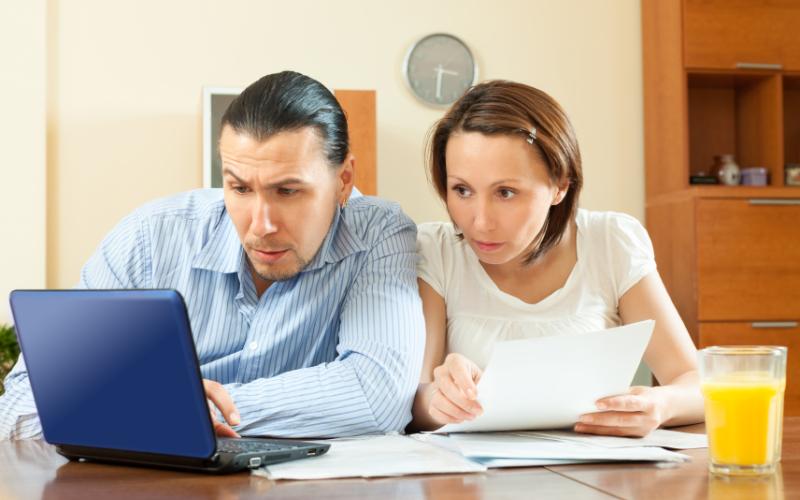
439, 72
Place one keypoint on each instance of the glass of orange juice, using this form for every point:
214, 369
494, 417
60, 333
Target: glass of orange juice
743, 390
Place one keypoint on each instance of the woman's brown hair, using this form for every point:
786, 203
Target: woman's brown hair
501, 107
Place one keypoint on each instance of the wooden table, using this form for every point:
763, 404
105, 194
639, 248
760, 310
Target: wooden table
32, 469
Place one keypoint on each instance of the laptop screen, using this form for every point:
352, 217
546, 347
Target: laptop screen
114, 369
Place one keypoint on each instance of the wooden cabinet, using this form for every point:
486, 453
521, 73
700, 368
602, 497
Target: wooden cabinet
738, 34
748, 259
786, 333
729, 255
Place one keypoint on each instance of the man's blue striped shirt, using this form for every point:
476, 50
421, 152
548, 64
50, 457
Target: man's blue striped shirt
334, 351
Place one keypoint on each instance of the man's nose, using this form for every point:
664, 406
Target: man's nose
265, 219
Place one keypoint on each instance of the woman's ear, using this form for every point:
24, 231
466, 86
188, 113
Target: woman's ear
561, 192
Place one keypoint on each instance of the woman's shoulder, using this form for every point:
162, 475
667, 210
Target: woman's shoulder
610, 228
436, 236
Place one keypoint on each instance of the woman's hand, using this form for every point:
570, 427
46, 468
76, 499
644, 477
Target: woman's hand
634, 414
455, 392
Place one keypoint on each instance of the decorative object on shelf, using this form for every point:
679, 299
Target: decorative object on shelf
439, 68
703, 178
727, 170
792, 171
755, 176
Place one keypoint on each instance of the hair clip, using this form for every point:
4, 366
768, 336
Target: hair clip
532, 135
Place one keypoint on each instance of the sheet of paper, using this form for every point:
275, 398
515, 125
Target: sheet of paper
498, 463
376, 456
660, 437
505, 445
548, 382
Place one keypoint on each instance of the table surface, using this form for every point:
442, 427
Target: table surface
33, 469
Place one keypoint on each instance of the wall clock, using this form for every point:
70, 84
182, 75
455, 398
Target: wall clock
439, 68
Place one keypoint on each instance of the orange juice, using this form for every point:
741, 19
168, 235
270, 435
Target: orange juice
744, 412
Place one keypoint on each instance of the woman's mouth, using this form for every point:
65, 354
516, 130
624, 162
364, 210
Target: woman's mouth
487, 246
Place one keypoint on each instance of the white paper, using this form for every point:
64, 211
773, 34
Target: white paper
659, 437
502, 445
377, 456
548, 382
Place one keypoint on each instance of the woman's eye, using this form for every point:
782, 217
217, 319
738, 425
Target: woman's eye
506, 194
461, 191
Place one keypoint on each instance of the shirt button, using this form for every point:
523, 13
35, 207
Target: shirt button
253, 346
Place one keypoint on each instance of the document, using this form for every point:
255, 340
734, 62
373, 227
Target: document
373, 456
659, 437
503, 445
548, 382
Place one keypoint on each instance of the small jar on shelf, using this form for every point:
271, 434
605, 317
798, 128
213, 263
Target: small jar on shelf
792, 172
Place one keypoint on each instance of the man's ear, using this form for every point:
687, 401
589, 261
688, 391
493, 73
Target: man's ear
346, 177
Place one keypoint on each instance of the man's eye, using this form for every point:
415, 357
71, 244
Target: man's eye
239, 189
286, 191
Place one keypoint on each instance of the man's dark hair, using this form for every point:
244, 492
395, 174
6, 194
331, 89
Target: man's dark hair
286, 102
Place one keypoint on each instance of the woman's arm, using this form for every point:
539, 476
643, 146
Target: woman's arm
671, 356
431, 408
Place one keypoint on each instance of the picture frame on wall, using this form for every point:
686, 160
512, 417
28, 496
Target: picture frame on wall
215, 101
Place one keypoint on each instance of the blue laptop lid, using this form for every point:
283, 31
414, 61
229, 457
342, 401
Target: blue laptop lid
114, 369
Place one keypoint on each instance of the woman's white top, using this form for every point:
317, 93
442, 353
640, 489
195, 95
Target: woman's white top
614, 253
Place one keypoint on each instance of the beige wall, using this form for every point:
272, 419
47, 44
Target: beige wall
124, 84
22, 142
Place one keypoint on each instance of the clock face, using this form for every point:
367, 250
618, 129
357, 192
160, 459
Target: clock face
439, 69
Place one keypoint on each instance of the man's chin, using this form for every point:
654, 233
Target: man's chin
278, 274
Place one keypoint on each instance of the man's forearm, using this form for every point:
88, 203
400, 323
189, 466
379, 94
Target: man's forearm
18, 417
352, 396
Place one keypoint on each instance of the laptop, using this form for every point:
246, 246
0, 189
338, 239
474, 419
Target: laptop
115, 378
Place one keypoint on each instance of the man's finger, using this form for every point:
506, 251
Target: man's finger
222, 400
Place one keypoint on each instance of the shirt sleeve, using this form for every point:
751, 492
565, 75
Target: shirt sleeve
631, 252
370, 386
119, 262
430, 265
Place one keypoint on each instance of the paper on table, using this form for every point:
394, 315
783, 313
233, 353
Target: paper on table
503, 445
548, 382
659, 437
375, 456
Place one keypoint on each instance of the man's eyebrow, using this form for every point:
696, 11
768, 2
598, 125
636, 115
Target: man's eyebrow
280, 183
227, 171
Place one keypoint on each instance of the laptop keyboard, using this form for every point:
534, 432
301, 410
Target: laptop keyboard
251, 446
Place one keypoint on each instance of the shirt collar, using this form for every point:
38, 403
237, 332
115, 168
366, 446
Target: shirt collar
223, 252
340, 242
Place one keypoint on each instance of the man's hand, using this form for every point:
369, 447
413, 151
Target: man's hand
218, 397
634, 414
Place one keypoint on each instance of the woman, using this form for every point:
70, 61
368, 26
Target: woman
520, 260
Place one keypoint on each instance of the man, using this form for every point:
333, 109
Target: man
304, 307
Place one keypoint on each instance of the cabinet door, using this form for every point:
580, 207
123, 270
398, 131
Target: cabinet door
748, 260
724, 33
785, 334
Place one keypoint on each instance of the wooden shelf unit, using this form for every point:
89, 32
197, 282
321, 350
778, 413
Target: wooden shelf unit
723, 77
